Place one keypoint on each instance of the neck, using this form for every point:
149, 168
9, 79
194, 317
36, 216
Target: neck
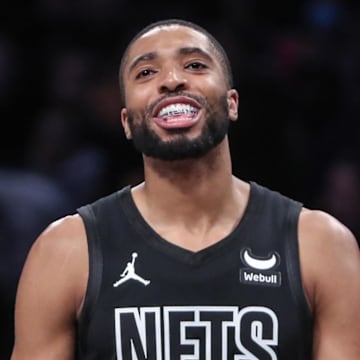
192, 203
192, 187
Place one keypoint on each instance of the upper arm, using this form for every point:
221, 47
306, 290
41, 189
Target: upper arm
330, 261
49, 293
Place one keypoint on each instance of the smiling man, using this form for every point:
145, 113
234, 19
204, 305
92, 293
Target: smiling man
176, 123
192, 263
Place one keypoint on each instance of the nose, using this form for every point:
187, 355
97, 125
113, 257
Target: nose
172, 81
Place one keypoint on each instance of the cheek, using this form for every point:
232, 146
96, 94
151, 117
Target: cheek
214, 86
137, 97
215, 93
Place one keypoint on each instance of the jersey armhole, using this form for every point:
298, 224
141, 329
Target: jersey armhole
294, 272
95, 272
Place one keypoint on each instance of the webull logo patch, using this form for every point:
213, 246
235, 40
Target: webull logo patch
260, 270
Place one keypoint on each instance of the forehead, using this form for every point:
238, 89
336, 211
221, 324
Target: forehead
169, 38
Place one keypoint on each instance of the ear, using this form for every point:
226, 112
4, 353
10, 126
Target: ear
125, 124
233, 104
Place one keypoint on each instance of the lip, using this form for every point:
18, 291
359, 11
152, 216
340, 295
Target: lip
175, 100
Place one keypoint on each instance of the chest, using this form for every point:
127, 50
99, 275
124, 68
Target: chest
160, 306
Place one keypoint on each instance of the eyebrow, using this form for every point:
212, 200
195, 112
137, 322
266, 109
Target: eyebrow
182, 51
145, 57
194, 50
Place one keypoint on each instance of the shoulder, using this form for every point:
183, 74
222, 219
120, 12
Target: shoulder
63, 236
320, 229
329, 253
51, 290
59, 256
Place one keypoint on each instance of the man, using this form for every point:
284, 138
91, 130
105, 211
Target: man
220, 268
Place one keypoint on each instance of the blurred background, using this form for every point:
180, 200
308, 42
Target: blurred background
296, 65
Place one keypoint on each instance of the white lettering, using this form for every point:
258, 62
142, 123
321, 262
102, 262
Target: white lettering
260, 278
196, 332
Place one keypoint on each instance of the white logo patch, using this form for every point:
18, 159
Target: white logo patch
130, 274
259, 264
260, 270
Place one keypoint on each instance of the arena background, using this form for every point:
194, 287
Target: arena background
296, 65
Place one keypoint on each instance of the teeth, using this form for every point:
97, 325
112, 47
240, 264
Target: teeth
177, 109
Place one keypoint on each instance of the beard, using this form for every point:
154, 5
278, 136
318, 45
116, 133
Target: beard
181, 147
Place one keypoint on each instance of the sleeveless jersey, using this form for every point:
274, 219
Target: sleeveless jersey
240, 299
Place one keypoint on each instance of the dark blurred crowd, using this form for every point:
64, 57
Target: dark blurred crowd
296, 65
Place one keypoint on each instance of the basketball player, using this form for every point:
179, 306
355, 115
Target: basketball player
193, 263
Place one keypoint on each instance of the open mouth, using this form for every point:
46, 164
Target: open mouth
173, 111
177, 113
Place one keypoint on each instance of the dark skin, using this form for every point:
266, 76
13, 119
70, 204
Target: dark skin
209, 203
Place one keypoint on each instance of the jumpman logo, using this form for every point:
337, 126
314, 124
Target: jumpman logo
129, 273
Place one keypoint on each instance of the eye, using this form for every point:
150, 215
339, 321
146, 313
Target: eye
196, 65
144, 73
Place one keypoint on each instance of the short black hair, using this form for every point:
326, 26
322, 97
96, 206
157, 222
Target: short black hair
223, 58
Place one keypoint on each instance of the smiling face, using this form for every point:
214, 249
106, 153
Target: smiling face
178, 104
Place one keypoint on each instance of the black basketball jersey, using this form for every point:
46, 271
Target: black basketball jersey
240, 299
